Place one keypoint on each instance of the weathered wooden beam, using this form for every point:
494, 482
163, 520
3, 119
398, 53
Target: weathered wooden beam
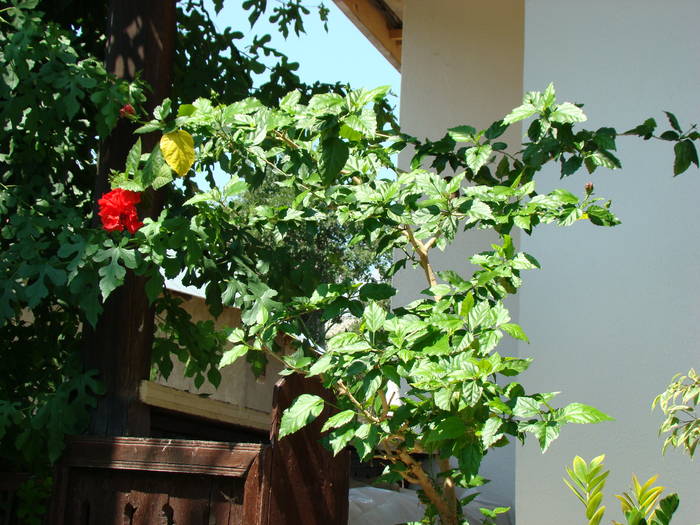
140, 39
167, 398
162, 455
378, 24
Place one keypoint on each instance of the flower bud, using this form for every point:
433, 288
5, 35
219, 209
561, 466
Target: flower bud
127, 111
588, 187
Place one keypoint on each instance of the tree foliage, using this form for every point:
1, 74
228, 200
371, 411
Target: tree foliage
57, 103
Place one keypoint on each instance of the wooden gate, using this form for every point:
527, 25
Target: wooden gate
148, 481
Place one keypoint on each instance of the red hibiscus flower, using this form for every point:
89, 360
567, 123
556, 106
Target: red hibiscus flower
118, 210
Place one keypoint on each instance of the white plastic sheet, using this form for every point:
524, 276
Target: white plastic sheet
374, 506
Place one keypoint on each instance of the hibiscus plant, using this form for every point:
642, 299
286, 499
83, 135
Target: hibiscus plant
458, 396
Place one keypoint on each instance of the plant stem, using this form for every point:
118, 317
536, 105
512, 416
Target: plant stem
422, 251
446, 509
445, 503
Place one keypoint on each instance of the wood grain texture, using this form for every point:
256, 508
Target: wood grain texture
162, 455
307, 485
137, 481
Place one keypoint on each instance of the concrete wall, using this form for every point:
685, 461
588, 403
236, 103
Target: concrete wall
238, 384
614, 312
462, 64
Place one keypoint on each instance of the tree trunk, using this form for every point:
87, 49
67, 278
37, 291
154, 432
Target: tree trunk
140, 39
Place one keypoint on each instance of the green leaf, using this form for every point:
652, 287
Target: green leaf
323, 364
305, 409
565, 196
478, 156
133, 157
571, 165
665, 510
112, 274
230, 356
685, 155
580, 413
365, 444
338, 420
471, 392
490, 432
520, 113
601, 216
377, 291
462, 133
567, 113
466, 305
449, 428
514, 330
673, 121
152, 167
334, 155
443, 398
340, 437
495, 130
645, 130
374, 316
470, 458
290, 100
162, 111
526, 407
149, 127
365, 123
546, 432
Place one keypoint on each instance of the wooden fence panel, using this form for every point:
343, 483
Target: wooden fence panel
307, 485
145, 481
149, 481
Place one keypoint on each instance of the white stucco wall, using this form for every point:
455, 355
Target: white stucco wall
450, 77
614, 313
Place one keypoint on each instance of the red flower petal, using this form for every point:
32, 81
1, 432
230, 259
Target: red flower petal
118, 210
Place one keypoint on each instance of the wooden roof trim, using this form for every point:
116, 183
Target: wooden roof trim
378, 23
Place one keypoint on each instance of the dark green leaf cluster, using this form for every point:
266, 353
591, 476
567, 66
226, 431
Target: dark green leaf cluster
685, 151
54, 105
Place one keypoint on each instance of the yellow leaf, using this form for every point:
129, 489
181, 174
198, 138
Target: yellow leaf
178, 150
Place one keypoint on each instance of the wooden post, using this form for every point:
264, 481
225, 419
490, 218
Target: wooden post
140, 39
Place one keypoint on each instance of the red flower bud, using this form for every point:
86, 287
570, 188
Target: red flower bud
126, 111
588, 187
118, 210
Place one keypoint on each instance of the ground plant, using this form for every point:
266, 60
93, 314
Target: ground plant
643, 505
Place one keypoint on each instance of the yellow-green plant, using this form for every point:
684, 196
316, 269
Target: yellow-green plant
587, 483
679, 403
642, 506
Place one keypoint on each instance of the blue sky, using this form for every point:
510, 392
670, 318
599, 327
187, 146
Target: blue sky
342, 54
